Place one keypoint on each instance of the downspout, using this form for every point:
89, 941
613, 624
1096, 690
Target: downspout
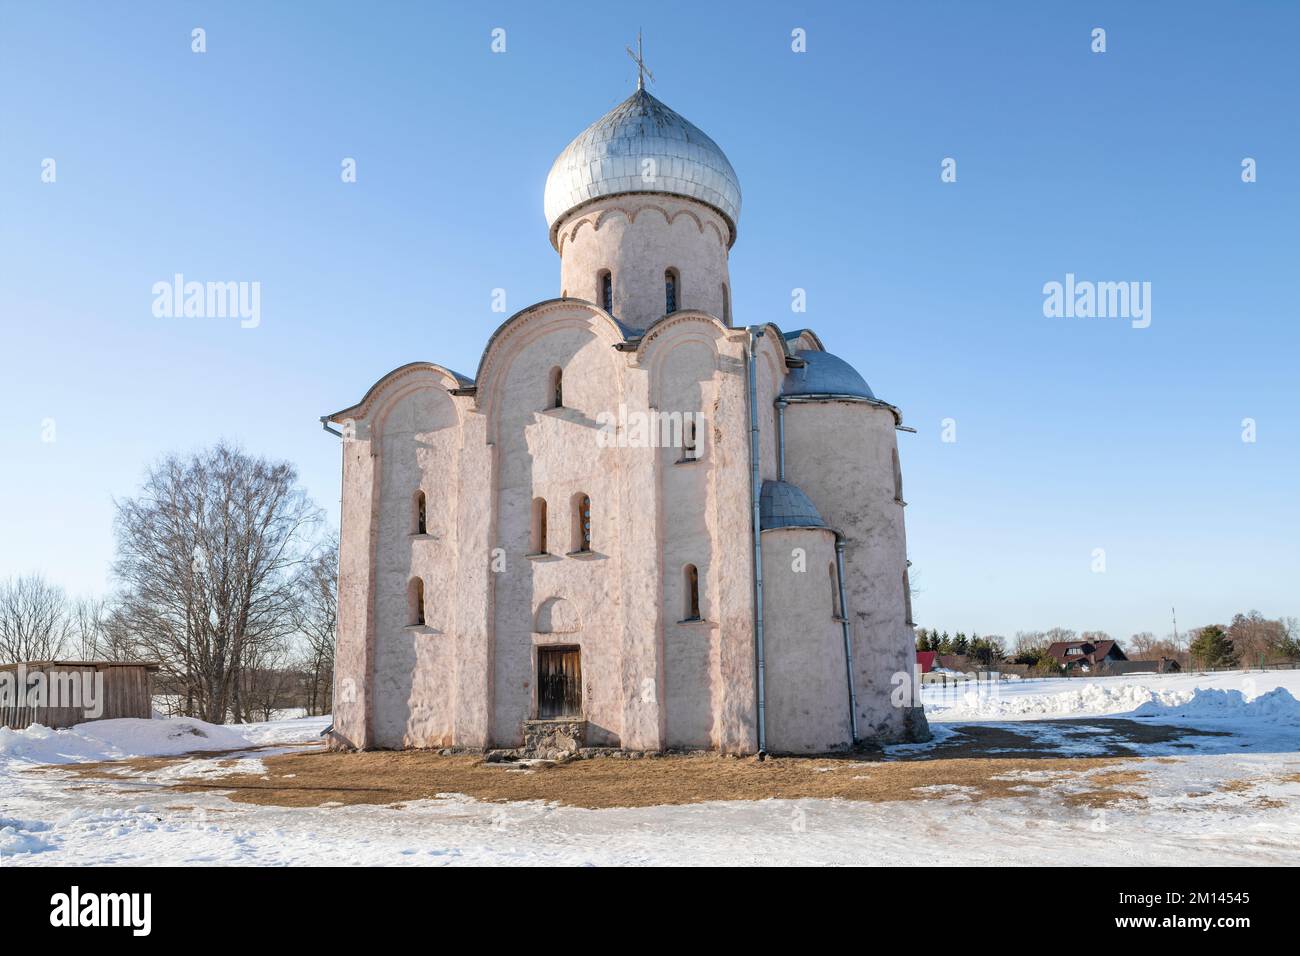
848, 643
329, 731
755, 490
780, 438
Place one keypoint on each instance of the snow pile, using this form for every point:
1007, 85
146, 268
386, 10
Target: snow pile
985, 702
297, 730
1277, 706
116, 740
22, 836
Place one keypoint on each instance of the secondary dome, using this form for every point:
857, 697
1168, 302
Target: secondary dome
607, 158
825, 374
783, 505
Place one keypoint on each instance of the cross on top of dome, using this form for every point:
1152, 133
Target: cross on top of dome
642, 71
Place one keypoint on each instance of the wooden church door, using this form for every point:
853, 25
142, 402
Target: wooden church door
559, 682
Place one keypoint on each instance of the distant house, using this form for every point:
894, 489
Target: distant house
955, 662
1166, 665
925, 661
1085, 656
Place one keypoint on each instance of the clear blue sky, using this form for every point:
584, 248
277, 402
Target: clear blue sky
1072, 434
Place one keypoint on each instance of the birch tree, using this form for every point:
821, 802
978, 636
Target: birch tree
207, 555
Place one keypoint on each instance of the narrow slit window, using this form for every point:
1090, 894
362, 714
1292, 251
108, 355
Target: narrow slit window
557, 388
689, 452
606, 286
671, 283
417, 602
581, 523
539, 526
898, 476
726, 304
421, 514
692, 590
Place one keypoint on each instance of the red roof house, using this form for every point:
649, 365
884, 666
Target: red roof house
1085, 655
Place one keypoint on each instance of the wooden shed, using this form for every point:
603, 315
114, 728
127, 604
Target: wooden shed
119, 690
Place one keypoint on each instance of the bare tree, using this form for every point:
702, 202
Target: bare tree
1057, 635
88, 617
1141, 645
1256, 638
35, 620
266, 679
317, 622
206, 559
117, 640
1029, 644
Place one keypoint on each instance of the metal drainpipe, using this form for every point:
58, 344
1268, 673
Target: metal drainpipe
780, 438
328, 731
848, 643
755, 490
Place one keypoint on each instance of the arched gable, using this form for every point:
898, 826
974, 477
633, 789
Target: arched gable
528, 327
422, 373
682, 354
770, 352
801, 340
669, 327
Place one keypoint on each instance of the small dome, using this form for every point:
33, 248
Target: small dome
782, 505
825, 374
606, 160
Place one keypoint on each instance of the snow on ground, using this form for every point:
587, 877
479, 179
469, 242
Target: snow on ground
1161, 694
116, 740
1209, 800
295, 731
123, 826
135, 737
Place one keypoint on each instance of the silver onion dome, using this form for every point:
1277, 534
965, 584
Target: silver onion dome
608, 158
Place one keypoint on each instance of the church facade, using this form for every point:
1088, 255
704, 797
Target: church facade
639, 521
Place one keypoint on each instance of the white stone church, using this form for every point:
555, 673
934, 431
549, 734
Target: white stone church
640, 521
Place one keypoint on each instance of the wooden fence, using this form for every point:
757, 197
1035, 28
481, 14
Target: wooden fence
127, 691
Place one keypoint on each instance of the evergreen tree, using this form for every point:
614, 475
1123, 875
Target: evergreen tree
1213, 648
986, 651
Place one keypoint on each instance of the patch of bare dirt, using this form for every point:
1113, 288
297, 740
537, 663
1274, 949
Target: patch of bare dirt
393, 778
978, 763
1114, 736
